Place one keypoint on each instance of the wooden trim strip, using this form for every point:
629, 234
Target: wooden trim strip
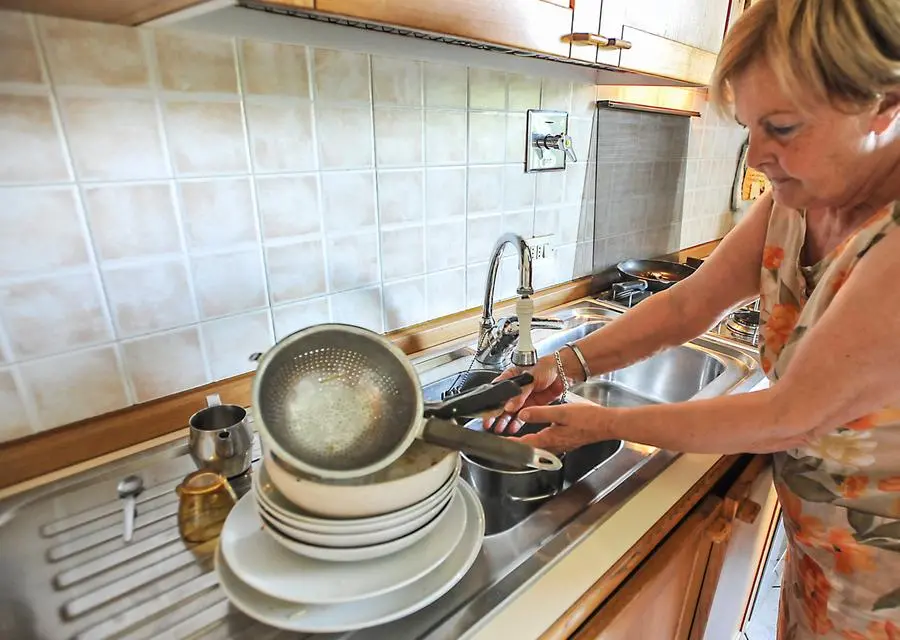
42, 453
587, 604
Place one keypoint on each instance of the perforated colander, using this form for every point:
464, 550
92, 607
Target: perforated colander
340, 401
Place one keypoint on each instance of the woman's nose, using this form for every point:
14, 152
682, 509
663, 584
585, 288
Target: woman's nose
758, 153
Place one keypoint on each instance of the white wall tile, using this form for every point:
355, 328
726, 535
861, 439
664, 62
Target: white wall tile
487, 138
446, 292
192, 62
97, 131
487, 89
299, 315
524, 92
445, 193
341, 75
404, 303
230, 342
295, 271
397, 81
485, 193
482, 233
132, 220
445, 85
149, 297
401, 196
520, 222
14, 422
516, 138
344, 135
353, 261
398, 137
53, 314
446, 243
445, 137
206, 138
274, 68
31, 147
217, 213
19, 51
556, 95
551, 188
281, 136
229, 283
348, 200
164, 363
74, 386
518, 188
402, 253
41, 231
361, 307
476, 275
288, 205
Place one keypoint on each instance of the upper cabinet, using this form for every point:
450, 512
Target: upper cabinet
672, 38
534, 25
127, 12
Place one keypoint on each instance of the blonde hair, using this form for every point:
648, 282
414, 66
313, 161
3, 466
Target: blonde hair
846, 52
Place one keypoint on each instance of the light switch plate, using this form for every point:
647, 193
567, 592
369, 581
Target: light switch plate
540, 124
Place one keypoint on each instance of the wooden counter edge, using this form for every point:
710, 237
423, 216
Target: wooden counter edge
594, 597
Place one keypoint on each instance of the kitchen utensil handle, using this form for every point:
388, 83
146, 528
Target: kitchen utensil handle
527, 499
489, 446
128, 519
486, 399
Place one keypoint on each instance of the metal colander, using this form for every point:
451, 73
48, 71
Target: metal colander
337, 400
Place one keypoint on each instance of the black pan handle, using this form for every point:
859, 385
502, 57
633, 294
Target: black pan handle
483, 399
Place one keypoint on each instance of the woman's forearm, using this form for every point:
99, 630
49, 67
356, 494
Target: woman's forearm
659, 322
743, 423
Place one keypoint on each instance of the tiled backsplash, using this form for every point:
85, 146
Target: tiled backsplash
171, 203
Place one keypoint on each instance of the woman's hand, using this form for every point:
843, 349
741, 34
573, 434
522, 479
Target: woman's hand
573, 425
546, 388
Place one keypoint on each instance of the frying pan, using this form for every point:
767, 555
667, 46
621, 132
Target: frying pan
339, 401
658, 274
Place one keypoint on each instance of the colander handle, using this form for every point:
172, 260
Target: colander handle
489, 446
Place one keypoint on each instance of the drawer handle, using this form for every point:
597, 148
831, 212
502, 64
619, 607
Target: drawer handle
596, 40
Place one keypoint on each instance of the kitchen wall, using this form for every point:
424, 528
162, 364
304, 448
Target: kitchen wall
171, 203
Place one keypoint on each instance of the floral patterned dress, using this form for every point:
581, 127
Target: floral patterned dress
840, 492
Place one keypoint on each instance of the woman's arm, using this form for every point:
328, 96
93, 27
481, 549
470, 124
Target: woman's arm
729, 276
846, 366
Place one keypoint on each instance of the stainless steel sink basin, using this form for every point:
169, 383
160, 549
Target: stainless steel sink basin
70, 575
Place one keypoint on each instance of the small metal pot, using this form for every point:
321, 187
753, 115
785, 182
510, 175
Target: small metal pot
509, 495
221, 439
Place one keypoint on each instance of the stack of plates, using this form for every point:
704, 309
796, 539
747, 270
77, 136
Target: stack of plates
300, 571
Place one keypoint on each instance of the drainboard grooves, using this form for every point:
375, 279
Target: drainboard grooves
127, 583
107, 508
232, 626
162, 626
110, 560
135, 615
113, 519
208, 616
113, 531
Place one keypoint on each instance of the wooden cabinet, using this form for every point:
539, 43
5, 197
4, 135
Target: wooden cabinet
671, 593
672, 38
128, 12
535, 25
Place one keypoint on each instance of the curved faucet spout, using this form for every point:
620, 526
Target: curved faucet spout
525, 288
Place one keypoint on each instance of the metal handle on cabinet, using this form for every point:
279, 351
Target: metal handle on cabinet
596, 40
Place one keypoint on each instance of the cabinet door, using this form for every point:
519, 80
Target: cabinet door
536, 25
130, 12
659, 600
672, 38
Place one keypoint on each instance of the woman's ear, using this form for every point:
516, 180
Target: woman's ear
888, 111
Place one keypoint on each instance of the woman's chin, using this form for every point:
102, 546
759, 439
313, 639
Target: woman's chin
789, 193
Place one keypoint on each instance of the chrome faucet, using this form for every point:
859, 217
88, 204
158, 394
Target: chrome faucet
496, 338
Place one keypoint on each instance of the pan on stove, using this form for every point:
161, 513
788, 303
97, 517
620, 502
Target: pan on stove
658, 274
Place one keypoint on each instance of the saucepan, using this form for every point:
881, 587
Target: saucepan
339, 401
658, 274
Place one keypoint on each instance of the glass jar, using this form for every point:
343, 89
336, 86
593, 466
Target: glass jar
205, 500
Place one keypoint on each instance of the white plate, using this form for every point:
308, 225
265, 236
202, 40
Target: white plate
271, 569
335, 539
269, 494
369, 612
349, 554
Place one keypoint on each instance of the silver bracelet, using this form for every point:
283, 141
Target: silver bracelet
581, 359
562, 374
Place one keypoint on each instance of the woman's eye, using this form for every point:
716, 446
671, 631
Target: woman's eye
781, 131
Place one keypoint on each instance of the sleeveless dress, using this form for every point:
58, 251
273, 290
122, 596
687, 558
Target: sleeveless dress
840, 492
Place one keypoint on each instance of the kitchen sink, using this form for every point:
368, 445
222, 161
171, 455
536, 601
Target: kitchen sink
72, 576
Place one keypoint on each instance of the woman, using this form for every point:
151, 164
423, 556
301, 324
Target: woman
817, 83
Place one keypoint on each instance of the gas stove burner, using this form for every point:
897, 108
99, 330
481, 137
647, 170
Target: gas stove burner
744, 324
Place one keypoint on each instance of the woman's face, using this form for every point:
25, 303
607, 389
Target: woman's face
818, 157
